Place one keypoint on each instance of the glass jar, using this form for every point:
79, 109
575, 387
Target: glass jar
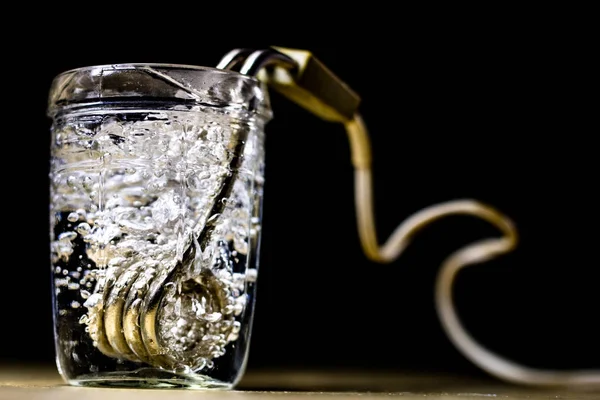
156, 184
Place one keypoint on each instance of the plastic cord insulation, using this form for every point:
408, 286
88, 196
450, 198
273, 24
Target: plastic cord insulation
474, 253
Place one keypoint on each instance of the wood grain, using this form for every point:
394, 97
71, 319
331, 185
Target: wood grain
44, 383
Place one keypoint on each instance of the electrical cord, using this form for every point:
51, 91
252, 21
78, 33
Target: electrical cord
472, 254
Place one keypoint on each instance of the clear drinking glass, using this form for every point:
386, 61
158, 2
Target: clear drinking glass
156, 187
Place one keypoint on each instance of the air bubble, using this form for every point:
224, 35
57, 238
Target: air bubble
93, 300
229, 309
75, 304
73, 286
182, 369
72, 181
83, 228
213, 317
61, 282
73, 217
88, 182
67, 236
251, 274
85, 294
240, 303
232, 337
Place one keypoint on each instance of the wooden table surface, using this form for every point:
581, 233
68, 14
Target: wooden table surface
27, 382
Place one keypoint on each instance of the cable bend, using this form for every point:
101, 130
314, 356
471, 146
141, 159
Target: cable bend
474, 253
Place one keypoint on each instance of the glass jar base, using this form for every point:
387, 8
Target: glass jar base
149, 378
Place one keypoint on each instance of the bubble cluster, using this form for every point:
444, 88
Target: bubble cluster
133, 194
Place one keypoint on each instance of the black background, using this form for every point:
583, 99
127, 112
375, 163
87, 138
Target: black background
469, 108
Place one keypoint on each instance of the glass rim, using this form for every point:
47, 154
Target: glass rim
157, 84
136, 65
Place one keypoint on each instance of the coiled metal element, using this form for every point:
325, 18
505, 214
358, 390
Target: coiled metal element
131, 314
